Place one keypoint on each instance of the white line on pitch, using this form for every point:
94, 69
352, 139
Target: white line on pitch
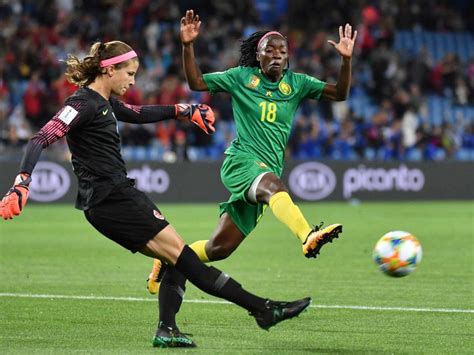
138, 299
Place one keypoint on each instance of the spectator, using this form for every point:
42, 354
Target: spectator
33, 102
429, 83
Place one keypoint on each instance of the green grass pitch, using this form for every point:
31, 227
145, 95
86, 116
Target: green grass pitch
65, 289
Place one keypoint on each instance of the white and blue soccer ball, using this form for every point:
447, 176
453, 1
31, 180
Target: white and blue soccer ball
397, 253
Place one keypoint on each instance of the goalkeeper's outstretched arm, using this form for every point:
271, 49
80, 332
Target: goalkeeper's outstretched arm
68, 117
200, 114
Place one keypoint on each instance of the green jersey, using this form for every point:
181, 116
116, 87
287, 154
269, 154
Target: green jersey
263, 110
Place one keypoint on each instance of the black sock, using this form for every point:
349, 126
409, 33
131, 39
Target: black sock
170, 296
215, 282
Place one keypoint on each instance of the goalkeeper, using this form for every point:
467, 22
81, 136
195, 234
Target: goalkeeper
108, 198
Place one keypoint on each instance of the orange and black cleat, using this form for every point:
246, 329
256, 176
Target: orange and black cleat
318, 237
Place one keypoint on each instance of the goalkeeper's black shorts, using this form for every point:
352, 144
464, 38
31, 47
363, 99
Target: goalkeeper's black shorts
128, 217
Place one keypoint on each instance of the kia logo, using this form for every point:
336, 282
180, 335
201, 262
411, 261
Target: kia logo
312, 181
50, 182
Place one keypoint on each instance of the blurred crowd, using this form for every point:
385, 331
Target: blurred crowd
36, 34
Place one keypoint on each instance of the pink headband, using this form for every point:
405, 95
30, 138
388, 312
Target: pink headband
268, 34
118, 59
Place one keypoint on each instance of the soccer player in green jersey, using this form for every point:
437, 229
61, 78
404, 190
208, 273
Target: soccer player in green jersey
265, 97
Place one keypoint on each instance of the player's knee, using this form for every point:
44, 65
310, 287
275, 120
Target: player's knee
269, 186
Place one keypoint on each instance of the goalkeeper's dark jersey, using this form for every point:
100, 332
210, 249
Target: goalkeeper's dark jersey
89, 122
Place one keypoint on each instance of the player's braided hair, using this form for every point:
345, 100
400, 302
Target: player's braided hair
248, 50
83, 72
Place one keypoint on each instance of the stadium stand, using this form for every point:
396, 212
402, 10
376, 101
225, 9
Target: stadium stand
412, 96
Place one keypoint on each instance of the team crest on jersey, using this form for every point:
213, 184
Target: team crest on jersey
254, 81
158, 215
284, 88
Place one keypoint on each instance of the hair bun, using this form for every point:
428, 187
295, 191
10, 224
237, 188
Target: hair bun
101, 48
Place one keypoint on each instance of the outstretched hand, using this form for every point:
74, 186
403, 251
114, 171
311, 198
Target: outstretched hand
189, 27
15, 199
199, 114
345, 46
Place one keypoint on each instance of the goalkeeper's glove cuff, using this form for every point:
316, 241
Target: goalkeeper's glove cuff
23, 179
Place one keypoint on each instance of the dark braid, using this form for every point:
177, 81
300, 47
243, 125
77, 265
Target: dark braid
248, 50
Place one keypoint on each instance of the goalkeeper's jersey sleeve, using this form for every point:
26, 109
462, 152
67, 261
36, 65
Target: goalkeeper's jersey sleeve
263, 110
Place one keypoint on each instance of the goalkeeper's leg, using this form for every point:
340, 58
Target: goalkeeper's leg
171, 298
167, 245
226, 238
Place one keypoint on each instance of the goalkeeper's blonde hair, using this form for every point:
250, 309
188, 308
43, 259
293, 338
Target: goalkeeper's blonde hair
84, 72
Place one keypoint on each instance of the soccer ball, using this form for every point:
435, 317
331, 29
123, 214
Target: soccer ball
397, 253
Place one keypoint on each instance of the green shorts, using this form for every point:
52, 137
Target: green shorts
237, 174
